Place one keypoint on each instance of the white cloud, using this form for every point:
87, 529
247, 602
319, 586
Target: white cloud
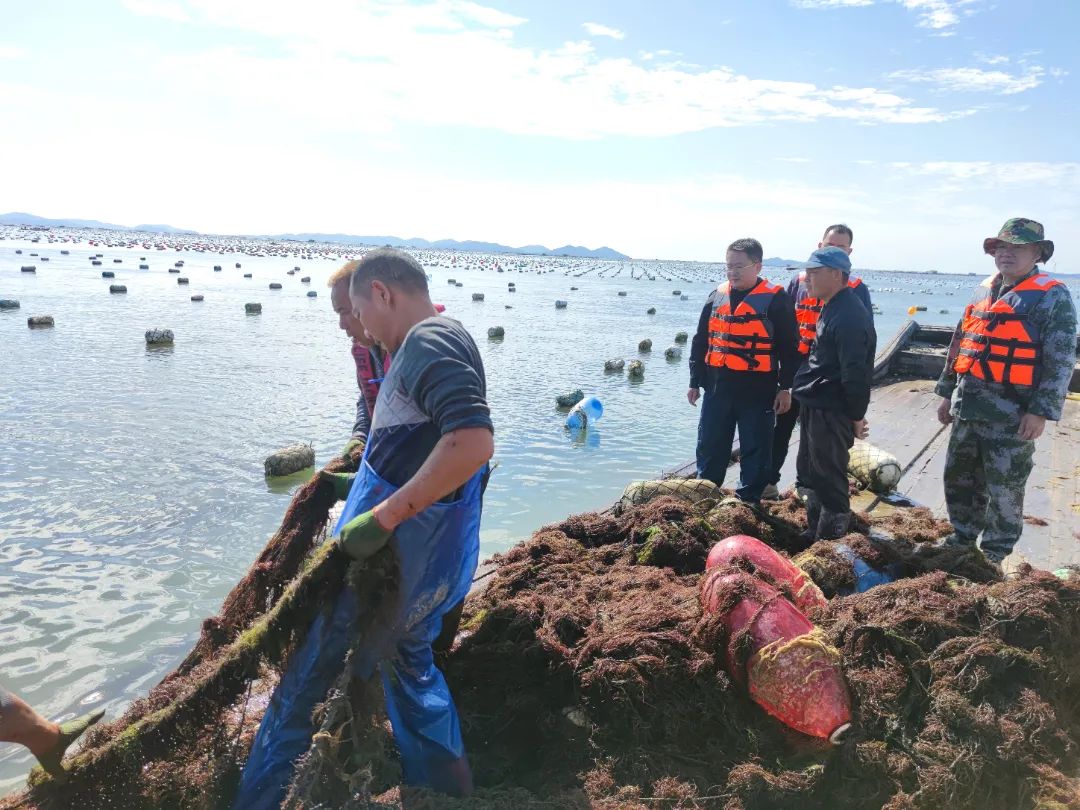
992, 60
939, 15
831, 3
975, 80
157, 8
598, 30
11, 52
448, 62
1035, 173
933, 13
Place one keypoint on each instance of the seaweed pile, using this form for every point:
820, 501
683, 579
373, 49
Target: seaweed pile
590, 674
587, 677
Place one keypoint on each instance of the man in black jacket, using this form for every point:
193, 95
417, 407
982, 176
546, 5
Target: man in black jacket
744, 355
833, 391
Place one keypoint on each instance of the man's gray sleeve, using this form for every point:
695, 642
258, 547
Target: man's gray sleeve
362, 425
443, 374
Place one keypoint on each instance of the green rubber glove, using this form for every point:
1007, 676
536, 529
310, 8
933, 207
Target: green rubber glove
363, 536
342, 482
352, 445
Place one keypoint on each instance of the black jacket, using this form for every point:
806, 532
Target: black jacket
750, 386
837, 375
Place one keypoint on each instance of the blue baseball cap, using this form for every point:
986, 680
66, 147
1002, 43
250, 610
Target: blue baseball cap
832, 257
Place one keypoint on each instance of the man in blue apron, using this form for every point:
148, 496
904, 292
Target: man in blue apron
419, 491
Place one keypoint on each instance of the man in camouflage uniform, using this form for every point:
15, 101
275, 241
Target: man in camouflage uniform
995, 423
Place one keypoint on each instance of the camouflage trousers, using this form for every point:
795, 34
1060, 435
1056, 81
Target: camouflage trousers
986, 470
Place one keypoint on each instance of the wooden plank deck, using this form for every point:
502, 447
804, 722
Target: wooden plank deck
903, 421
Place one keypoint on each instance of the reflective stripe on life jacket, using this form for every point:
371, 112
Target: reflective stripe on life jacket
998, 341
808, 310
742, 340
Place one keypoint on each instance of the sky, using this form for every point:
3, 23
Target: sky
661, 129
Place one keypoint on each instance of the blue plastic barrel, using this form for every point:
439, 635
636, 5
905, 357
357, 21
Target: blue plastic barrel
866, 576
588, 410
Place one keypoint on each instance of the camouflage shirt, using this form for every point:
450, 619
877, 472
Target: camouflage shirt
987, 401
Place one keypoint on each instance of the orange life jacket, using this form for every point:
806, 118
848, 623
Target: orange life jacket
998, 341
742, 340
808, 310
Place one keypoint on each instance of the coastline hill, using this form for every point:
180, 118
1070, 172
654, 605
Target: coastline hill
20, 218
454, 244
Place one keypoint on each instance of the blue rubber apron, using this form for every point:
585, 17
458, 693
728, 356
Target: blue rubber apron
437, 552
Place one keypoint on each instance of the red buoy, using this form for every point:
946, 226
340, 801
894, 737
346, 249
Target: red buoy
790, 671
806, 593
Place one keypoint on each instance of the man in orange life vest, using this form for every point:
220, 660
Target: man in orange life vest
744, 354
1008, 370
807, 311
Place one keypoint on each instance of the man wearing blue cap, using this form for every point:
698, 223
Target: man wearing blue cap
807, 311
833, 391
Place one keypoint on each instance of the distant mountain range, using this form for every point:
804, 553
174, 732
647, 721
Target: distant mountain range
18, 218
454, 244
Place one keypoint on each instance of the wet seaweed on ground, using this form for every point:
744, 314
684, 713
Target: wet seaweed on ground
587, 677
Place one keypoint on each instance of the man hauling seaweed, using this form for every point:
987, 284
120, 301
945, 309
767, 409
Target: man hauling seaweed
418, 491
1008, 371
371, 360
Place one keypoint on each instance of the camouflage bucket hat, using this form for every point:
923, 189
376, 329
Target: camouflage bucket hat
1020, 231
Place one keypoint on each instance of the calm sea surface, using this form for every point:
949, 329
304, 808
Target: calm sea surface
132, 494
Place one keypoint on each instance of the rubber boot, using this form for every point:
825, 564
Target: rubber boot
955, 540
453, 778
833, 525
69, 732
813, 516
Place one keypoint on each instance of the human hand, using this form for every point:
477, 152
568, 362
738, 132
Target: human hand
782, 403
1031, 426
363, 536
692, 395
352, 444
862, 428
943, 409
342, 482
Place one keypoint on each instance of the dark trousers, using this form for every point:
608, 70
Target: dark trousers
785, 426
445, 640
824, 442
721, 413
